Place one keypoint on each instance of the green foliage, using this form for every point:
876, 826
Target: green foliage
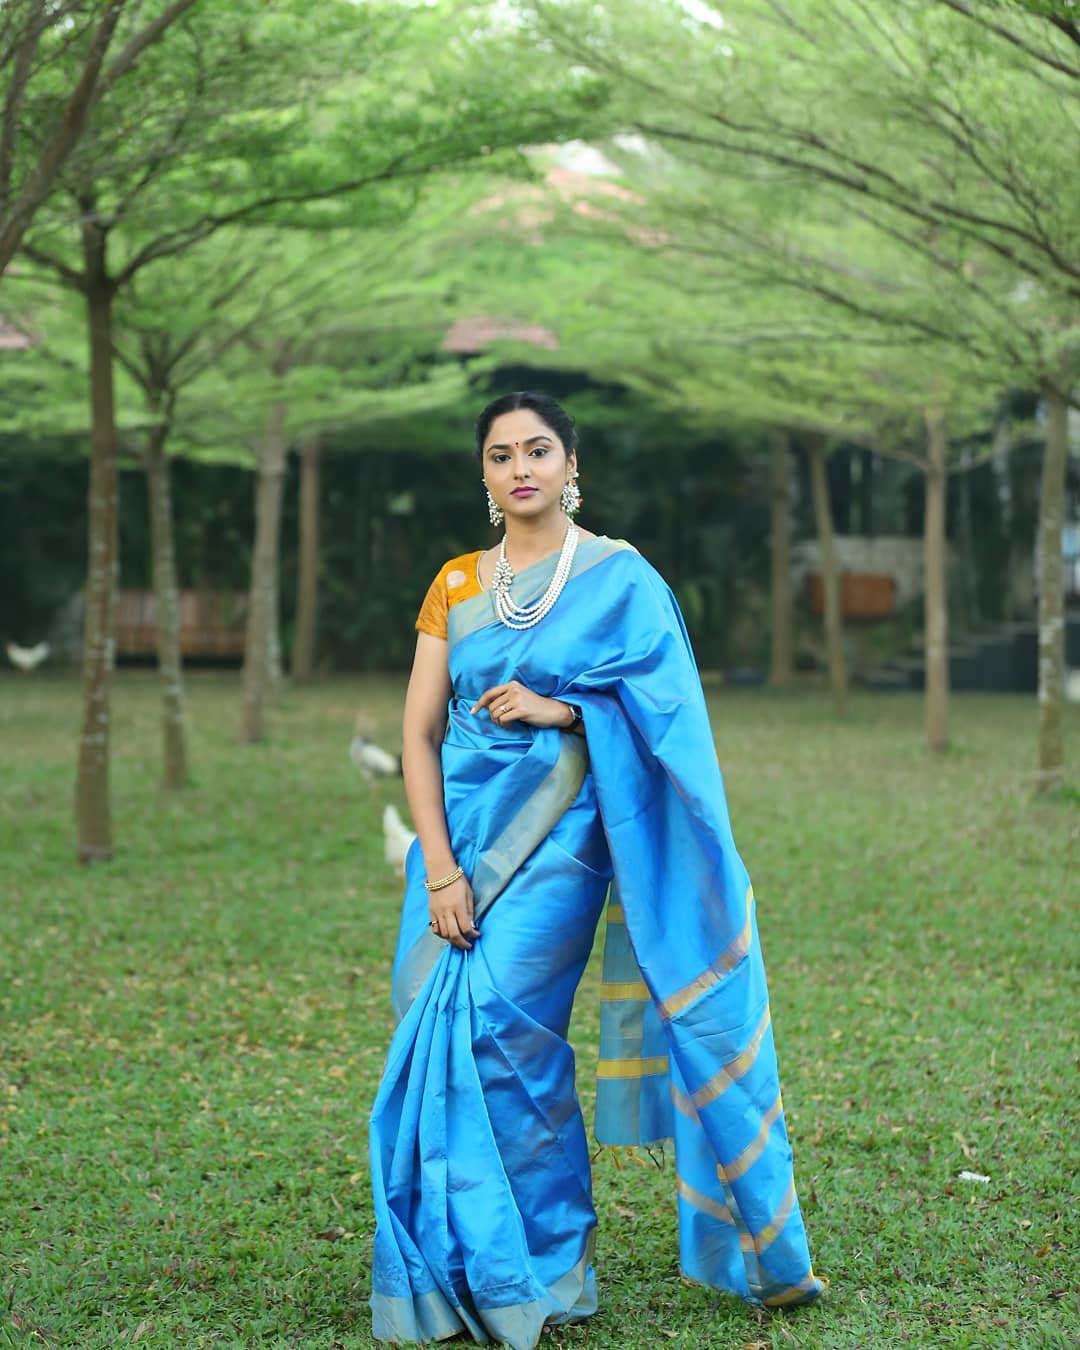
838, 218
326, 117
193, 1033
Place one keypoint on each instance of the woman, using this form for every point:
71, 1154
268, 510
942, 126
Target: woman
555, 738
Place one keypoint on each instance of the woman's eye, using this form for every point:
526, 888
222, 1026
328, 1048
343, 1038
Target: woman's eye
540, 449
499, 459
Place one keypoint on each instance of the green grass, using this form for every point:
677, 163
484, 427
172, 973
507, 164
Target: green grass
190, 1036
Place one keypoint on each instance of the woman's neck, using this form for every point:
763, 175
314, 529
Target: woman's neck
527, 541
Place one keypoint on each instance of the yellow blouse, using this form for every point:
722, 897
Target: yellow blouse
457, 580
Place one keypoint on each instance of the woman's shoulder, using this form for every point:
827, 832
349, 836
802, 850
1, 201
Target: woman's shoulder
601, 546
456, 580
463, 563
609, 545
631, 564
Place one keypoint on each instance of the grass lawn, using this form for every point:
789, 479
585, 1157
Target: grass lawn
190, 1036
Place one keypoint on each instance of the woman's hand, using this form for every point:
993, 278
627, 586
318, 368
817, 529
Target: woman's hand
512, 702
451, 910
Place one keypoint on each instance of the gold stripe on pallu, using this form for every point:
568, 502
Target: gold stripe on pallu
684, 1104
615, 914
613, 989
800, 1290
771, 1231
728, 959
719, 1083
632, 1068
750, 1154
701, 1201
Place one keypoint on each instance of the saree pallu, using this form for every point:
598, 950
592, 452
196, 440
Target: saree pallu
479, 1154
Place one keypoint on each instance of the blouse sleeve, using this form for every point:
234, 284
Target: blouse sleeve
432, 616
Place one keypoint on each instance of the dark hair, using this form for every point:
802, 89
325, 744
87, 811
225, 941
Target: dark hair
544, 406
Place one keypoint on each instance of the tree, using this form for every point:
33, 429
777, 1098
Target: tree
307, 589
241, 117
42, 118
781, 662
167, 335
970, 192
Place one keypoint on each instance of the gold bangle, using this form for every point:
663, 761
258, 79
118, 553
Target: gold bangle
458, 871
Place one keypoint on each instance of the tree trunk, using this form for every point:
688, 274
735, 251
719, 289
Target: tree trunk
969, 571
307, 587
275, 671
830, 575
269, 483
866, 493
93, 816
170, 665
1051, 594
781, 667
936, 613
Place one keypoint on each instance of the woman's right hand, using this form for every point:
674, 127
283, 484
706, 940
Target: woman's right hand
451, 910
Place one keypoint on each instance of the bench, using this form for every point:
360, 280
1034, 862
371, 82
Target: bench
211, 623
863, 595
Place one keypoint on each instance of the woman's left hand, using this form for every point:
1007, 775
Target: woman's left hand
512, 702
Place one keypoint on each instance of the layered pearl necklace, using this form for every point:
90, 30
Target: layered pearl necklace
531, 614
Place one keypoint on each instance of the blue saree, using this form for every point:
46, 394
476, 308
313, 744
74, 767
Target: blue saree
479, 1153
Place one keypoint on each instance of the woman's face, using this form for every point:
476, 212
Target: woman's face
525, 464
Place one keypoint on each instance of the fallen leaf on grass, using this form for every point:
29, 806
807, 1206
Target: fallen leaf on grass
143, 1329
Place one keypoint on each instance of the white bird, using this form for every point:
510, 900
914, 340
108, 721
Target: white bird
27, 658
397, 837
371, 759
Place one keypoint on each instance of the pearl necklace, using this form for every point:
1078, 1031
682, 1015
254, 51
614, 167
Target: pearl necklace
508, 612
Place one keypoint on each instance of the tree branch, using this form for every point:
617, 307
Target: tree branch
24, 56
131, 366
833, 164
1066, 26
70, 276
127, 58
168, 244
942, 216
1041, 55
63, 139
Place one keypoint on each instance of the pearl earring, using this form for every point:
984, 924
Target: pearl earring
570, 496
495, 512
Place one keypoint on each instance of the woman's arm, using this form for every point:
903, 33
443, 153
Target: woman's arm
423, 727
513, 702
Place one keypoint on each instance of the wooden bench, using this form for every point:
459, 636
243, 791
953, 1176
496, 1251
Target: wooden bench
863, 595
211, 623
